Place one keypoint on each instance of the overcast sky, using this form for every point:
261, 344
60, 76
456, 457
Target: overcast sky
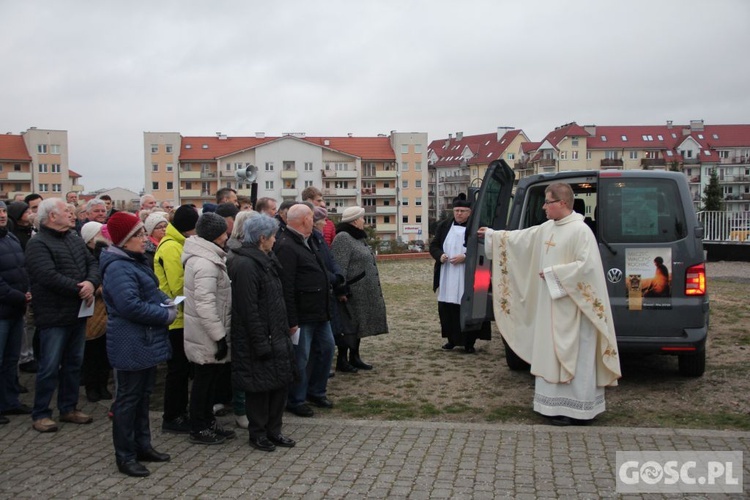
107, 71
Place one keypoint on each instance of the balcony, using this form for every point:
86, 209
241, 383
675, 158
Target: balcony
340, 192
455, 179
386, 191
339, 174
734, 178
547, 162
386, 174
289, 192
289, 174
735, 160
368, 191
653, 162
189, 174
691, 161
19, 176
245, 192
386, 210
208, 175
611, 163
695, 180
385, 228
190, 193
370, 209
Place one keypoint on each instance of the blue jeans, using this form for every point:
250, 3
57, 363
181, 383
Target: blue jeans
60, 360
11, 332
131, 429
314, 355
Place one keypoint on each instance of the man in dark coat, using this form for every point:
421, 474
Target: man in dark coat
449, 251
64, 276
306, 294
14, 294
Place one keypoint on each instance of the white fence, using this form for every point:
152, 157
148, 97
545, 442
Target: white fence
729, 227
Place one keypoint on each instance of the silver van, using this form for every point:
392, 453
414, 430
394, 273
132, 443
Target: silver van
651, 244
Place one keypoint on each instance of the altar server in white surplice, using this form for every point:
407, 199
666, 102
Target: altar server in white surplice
551, 306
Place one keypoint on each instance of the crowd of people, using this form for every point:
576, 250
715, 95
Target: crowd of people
247, 304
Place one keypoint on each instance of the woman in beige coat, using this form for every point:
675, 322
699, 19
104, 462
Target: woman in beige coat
208, 318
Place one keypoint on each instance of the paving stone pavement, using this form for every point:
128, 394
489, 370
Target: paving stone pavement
344, 459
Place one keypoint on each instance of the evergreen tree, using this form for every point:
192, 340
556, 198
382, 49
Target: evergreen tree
713, 197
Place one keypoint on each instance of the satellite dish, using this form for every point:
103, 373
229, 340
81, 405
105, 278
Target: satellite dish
248, 174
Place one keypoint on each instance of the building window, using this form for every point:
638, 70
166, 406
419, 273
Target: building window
419, 219
404, 149
168, 147
155, 185
405, 219
154, 167
170, 185
308, 184
43, 188
269, 184
54, 149
405, 202
405, 184
563, 155
724, 154
418, 183
634, 155
170, 167
588, 155
405, 166
55, 168
511, 156
269, 168
154, 148
387, 219
386, 184
610, 155
417, 148
41, 148
418, 166
43, 168
574, 155
17, 168
56, 188
418, 202
308, 166
574, 142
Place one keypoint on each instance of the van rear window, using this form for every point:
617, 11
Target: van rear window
640, 211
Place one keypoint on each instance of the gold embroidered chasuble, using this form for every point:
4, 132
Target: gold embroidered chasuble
542, 330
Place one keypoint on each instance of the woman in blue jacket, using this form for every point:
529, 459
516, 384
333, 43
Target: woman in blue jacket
137, 339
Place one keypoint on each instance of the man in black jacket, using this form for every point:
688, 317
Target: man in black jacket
306, 294
64, 274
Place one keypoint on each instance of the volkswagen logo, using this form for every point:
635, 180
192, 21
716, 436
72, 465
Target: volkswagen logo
614, 275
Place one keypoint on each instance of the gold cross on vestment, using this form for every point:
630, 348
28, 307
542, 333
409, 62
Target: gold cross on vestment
550, 243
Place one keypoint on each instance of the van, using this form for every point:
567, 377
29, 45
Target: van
650, 241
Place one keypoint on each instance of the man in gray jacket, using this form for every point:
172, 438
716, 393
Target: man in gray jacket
64, 274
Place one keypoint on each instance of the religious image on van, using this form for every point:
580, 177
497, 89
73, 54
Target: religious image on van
648, 280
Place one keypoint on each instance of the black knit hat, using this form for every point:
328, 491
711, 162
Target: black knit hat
210, 226
227, 210
184, 218
16, 209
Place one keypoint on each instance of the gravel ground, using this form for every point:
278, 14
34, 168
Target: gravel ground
730, 270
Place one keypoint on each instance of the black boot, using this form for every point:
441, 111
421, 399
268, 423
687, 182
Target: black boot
342, 364
355, 360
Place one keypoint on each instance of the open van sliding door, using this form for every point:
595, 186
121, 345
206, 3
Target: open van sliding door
489, 208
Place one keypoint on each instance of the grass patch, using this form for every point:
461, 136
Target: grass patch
509, 413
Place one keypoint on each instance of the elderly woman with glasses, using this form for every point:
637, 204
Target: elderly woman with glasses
449, 252
137, 339
263, 363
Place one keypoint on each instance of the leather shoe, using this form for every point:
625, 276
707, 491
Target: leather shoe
346, 367
282, 440
262, 443
45, 425
133, 469
560, 421
301, 410
469, 350
448, 346
322, 402
76, 417
358, 363
151, 455
18, 410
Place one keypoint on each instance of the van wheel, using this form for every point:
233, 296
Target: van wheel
515, 363
692, 365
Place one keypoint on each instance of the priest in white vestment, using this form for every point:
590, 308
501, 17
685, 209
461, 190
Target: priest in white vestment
551, 305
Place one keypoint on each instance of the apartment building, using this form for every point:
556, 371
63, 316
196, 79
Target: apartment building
697, 149
383, 174
456, 163
36, 161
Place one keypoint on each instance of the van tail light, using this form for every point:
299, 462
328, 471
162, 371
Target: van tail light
482, 280
695, 280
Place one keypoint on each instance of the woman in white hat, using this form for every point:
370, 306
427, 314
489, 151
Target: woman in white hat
366, 303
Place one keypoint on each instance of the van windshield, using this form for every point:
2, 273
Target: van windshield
640, 210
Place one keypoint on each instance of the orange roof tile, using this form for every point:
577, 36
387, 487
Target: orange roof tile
12, 147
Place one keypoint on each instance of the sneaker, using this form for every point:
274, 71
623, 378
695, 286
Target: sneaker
76, 417
45, 425
219, 430
206, 436
180, 425
242, 421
